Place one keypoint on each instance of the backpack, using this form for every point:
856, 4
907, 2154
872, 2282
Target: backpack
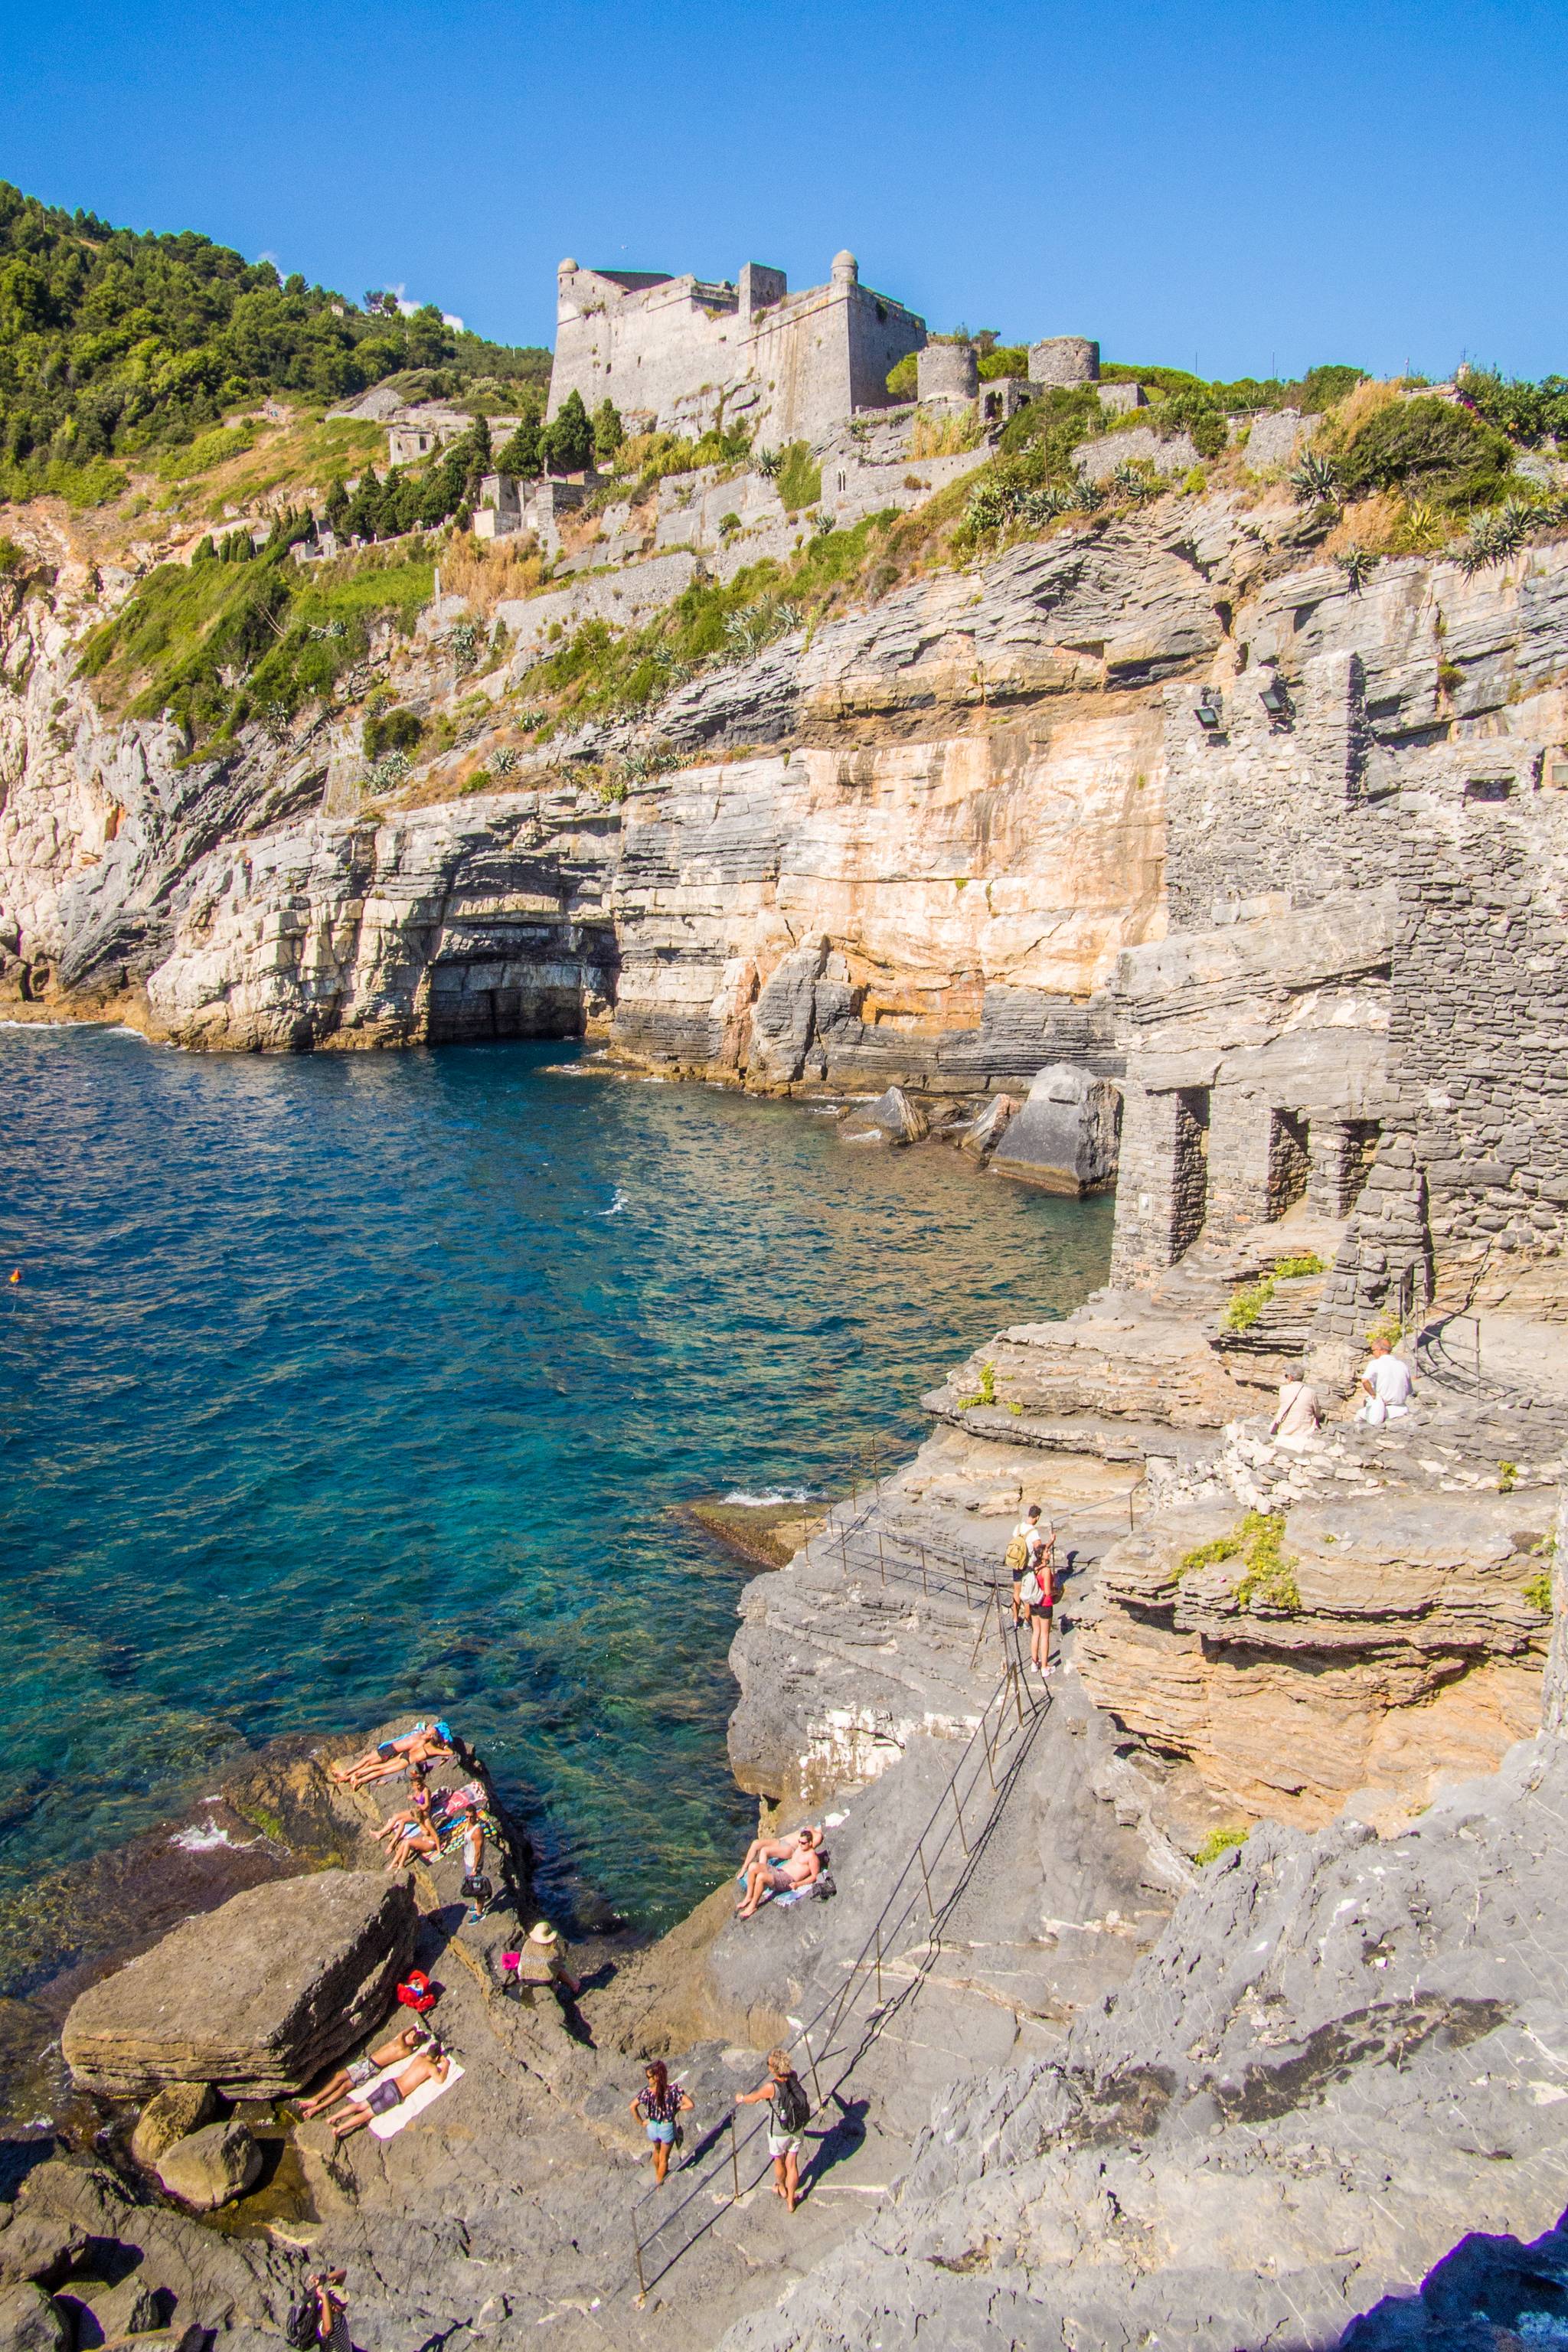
302, 2326
791, 2105
1017, 1556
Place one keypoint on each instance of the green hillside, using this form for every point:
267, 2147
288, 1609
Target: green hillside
113, 343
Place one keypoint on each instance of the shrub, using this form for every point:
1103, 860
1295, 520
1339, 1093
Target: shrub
1269, 1577
1246, 1305
1507, 1477
1428, 447
1294, 1269
1208, 1555
1005, 359
903, 381
1526, 412
609, 432
567, 445
799, 480
390, 730
1219, 1842
986, 1391
1537, 1591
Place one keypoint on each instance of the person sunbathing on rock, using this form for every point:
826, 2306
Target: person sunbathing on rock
355, 2077
426, 1744
765, 1878
414, 1815
460, 1816
432, 2065
776, 1850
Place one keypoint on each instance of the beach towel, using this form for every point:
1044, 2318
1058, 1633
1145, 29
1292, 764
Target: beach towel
384, 2126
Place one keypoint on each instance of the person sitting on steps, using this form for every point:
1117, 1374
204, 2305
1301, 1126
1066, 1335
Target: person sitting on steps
1384, 1386
1300, 1415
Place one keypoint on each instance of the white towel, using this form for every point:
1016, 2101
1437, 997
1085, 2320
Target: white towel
384, 2125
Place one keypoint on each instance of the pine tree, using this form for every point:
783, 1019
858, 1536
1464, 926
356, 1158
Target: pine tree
363, 506
337, 505
568, 444
520, 456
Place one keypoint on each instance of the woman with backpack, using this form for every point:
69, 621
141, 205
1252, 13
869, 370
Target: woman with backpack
791, 2114
1037, 1592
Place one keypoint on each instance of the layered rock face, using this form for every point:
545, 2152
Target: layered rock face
255, 1997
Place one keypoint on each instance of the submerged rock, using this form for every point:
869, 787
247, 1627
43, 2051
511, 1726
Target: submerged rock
256, 1996
212, 2167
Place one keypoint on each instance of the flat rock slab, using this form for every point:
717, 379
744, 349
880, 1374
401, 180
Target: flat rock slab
256, 1996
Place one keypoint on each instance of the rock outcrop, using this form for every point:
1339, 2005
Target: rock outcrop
255, 1997
211, 2167
170, 2114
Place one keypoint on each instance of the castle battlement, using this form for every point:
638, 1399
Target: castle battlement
681, 353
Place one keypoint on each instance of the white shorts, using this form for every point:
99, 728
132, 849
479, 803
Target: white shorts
781, 2143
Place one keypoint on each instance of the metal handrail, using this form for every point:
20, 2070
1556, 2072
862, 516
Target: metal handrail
1012, 1702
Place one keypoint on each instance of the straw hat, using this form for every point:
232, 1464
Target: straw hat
543, 1933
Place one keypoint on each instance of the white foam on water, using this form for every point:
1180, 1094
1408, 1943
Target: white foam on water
617, 1206
205, 1837
773, 1496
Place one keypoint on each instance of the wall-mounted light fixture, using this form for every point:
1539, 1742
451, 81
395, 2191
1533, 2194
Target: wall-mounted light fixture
1211, 710
1275, 700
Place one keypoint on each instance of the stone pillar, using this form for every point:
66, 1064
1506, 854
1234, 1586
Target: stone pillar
1161, 1193
947, 372
1238, 1155
1343, 1152
1064, 359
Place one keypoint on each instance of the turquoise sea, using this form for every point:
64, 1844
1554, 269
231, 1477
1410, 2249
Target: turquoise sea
339, 1385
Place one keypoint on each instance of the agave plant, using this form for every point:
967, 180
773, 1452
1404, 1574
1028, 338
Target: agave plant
1045, 505
1130, 482
1314, 480
503, 762
1358, 565
990, 505
1088, 497
767, 462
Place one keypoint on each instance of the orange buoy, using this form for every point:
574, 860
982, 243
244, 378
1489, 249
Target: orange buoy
16, 1273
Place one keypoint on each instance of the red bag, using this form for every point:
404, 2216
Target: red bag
418, 1993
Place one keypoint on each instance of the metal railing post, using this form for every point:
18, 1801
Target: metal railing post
921, 1857
815, 2078
878, 1964
636, 2249
734, 2156
958, 1816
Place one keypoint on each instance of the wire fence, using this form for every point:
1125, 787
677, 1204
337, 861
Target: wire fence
884, 1975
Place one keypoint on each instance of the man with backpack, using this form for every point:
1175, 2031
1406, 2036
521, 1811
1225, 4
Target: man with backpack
321, 2315
791, 2114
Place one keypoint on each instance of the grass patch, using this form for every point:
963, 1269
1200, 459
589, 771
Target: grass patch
1247, 1303
1208, 1555
985, 1393
1269, 1577
1537, 1591
1219, 1842
216, 644
798, 480
216, 449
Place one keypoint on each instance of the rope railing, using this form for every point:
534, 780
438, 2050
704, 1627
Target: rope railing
833, 2040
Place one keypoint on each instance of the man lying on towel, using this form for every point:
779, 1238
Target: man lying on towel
431, 2065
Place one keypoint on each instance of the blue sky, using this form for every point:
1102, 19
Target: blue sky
1245, 189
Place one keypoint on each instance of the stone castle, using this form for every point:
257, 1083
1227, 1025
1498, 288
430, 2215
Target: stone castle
679, 354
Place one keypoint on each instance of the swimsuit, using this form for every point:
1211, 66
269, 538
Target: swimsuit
361, 2072
384, 2097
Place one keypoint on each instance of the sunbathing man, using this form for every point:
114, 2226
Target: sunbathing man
364, 2070
779, 1848
427, 1744
431, 2065
765, 1878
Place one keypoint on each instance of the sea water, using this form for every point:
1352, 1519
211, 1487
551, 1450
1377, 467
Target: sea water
357, 1385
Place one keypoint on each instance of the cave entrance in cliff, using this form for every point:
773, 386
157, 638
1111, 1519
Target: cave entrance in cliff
1290, 1160
1190, 1175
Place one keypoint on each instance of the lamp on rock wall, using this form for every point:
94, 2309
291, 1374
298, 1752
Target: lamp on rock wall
1211, 710
1277, 701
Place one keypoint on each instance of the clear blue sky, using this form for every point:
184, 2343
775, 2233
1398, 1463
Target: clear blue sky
1241, 188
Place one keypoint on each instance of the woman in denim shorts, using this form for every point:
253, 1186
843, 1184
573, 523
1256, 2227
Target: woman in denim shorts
657, 2106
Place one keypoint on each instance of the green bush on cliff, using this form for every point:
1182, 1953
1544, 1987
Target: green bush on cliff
214, 645
1428, 448
799, 480
1537, 1591
1219, 1842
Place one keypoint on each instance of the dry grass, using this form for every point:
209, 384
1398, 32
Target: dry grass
945, 436
1373, 523
1363, 401
488, 575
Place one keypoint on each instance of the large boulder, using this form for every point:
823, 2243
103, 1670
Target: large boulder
170, 2114
211, 2168
1065, 1138
257, 1997
891, 1119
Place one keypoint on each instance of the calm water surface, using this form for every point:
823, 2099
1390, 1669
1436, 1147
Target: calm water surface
340, 1385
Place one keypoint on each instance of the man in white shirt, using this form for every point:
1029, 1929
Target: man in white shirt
1386, 1386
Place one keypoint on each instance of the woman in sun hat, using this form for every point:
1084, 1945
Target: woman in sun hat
542, 1962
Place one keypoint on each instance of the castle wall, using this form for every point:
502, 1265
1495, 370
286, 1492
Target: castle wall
686, 355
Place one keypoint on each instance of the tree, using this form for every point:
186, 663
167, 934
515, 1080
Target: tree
364, 506
609, 432
519, 455
337, 505
568, 444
